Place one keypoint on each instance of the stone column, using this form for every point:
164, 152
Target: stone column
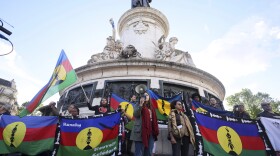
142, 27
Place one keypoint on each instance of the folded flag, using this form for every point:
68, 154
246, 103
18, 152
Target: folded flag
89, 137
199, 107
272, 128
162, 104
63, 76
30, 135
222, 135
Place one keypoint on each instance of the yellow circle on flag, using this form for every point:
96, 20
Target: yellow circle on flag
14, 134
229, 140
128, 108
201, 110
59, 75
89, 138
164, 107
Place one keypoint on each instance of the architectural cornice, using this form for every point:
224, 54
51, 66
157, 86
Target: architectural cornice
153, 64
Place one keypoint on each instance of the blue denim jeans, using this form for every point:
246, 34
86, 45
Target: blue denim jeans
141, 151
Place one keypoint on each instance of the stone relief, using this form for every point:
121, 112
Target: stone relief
166, 51
140, 27
129, 51
114, 49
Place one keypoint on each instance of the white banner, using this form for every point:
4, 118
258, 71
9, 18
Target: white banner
272, 128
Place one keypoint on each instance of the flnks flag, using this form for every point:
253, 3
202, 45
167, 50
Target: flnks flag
63, 76
30, 135
89, 137
128, 107
162, 105
199, 107
223, 135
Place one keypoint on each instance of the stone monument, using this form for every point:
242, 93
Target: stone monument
143, 55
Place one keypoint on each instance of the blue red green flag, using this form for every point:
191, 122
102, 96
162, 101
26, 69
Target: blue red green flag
226, 136
63, 76
199, 107
128, 107
162, 105
29, 135
87, 137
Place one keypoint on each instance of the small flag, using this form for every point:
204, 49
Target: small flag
127, 106
199, 107
162, 104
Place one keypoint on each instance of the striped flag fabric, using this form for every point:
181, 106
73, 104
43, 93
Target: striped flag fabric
88, 137
128, 107
162, 105
199, 107
63, 76
222, 135
29, 135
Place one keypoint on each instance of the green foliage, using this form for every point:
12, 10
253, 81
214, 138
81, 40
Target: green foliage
252, 102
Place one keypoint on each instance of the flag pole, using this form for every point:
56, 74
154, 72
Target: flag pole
84, 93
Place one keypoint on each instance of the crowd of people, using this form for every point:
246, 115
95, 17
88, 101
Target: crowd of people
144, 129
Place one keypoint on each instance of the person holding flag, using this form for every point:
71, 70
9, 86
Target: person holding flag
145, 130
63, 76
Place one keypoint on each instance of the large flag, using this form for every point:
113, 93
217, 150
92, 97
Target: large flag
225, 136
88, 137
272, 128
199, 107
162, 105
63, 76
30, 135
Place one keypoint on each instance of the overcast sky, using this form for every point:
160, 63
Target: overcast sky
237, 41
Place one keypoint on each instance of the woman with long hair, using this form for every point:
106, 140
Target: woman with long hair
103, 108
180, 130
145, 130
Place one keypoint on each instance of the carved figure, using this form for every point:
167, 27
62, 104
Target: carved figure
166, 51
140, 3
129, 51
112, 49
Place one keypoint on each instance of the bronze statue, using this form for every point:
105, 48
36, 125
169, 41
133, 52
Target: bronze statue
140, 3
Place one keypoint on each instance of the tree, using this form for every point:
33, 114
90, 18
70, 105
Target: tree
252, 101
